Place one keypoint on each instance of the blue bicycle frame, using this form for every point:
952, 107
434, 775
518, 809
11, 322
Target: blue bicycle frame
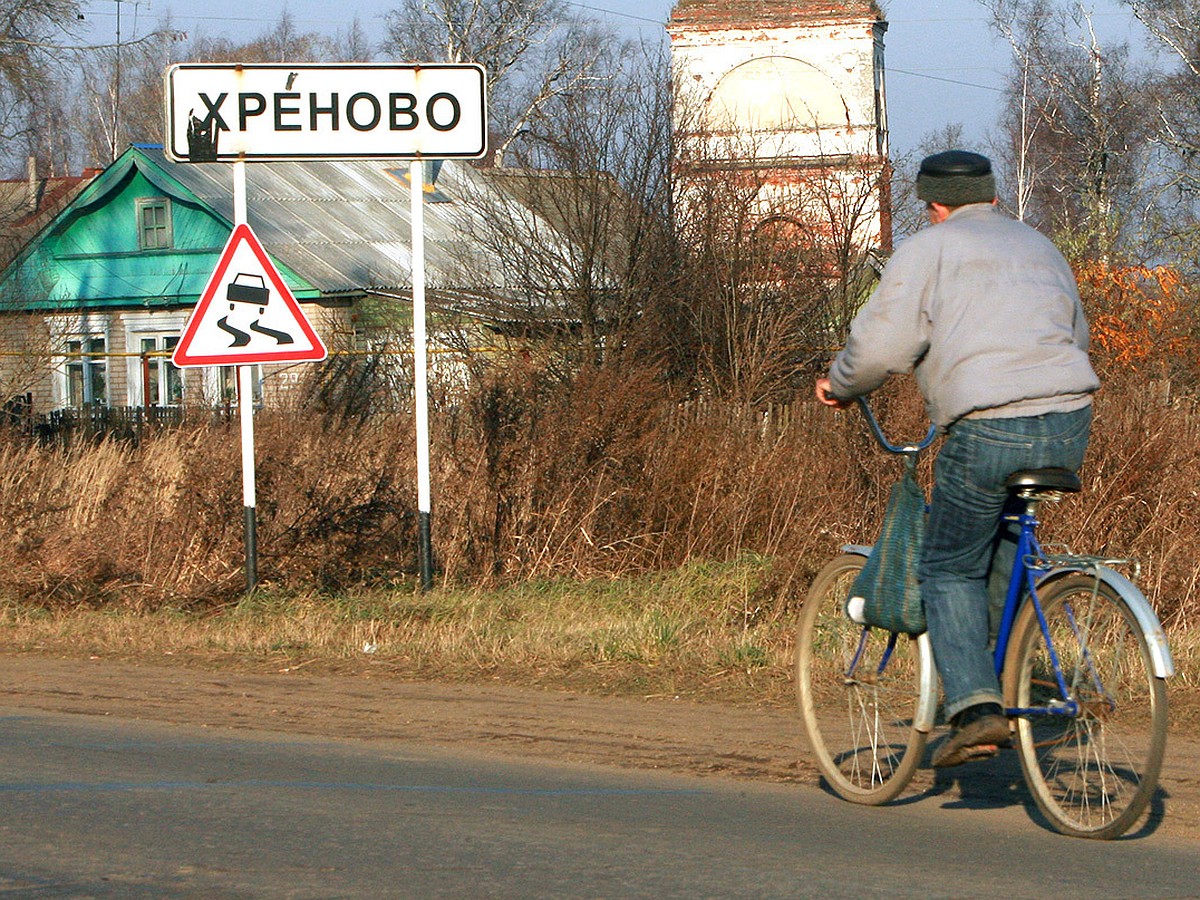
1030, 566
1025, 575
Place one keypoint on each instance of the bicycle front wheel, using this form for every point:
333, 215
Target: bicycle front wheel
859, 689
1091, 773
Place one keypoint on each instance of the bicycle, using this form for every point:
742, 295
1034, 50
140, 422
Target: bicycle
1081, 657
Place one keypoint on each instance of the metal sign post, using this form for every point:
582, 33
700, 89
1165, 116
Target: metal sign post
247, 315
245, 378
420, 375
245, 383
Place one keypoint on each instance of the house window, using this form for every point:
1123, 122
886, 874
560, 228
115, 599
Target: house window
87, 372
161, 380
227, 385
151, 377
154, 223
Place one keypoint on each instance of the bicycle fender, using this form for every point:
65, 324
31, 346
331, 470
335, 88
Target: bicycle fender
1156, 638
927, 700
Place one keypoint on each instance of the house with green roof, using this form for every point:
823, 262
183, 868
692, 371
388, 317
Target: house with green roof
103, 290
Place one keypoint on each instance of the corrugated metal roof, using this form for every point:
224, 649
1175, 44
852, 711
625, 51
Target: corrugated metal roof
497, 239
345, 226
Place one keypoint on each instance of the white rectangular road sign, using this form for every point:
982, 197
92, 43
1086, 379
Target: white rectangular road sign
226, 112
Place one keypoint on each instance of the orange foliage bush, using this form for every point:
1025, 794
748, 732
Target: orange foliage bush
1142, 320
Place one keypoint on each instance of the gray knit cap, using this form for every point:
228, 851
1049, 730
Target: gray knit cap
956, 178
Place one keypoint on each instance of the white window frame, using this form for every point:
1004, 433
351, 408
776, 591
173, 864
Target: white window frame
164, 329
220, 383
66, 330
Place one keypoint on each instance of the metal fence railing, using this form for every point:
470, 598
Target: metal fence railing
66, 426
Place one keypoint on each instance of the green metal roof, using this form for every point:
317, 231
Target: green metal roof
89, 256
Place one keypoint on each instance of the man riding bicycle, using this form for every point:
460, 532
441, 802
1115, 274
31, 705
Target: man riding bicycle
986, 312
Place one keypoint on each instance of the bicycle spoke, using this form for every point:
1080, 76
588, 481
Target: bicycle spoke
1091, 773
857, 693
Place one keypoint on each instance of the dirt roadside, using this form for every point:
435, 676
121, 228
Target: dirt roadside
661, 733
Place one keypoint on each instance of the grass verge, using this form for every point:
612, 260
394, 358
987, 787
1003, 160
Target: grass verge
718, 632
701, 631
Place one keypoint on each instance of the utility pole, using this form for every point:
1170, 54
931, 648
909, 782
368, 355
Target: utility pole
116, 104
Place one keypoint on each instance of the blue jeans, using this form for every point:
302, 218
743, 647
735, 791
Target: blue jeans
963, 537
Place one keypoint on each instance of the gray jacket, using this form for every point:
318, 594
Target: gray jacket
987, 311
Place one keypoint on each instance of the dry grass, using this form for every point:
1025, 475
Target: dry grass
596, 534
697, 631
704, 631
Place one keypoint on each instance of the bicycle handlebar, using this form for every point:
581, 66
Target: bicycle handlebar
887, 445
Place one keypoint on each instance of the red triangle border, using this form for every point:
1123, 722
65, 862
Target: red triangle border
183, 357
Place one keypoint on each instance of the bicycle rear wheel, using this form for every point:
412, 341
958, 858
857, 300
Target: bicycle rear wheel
1091, 774
858, 689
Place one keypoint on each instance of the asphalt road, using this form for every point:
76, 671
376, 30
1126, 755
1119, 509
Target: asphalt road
105, 807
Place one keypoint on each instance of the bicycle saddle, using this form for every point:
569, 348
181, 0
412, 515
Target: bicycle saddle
1051, 479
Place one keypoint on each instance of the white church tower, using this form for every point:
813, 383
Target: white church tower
789, 94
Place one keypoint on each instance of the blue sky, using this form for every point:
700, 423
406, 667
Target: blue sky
944, 65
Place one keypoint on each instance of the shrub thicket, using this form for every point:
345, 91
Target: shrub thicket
534, 477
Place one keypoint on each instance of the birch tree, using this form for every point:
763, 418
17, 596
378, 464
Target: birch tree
35, 36
534, 52
1174, 26
1076, 133
121, 100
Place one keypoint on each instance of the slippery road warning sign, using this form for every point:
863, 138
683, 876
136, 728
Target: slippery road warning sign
246, 313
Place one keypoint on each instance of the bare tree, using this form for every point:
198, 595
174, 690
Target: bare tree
1175, 26
27, 349
739, 290
1076, 132
120, 98
122, 85
908, 212
779, 253
285, 43
351, 45
35, 37
533, 51
577, 233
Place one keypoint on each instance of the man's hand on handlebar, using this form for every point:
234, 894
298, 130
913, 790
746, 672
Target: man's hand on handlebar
824, 394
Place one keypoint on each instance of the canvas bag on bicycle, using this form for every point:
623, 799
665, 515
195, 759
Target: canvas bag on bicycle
887, 583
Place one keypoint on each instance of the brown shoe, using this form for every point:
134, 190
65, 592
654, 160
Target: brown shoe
979, 739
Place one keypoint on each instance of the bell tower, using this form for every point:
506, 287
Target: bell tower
786, 99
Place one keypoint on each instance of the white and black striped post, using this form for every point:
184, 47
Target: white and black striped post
245, 393
420, 375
